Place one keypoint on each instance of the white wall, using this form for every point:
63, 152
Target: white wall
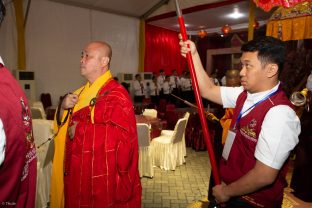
55, 36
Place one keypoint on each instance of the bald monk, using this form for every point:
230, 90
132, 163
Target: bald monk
232, 79
97, 140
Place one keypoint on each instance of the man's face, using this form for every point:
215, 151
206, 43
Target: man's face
90, 61
253, 75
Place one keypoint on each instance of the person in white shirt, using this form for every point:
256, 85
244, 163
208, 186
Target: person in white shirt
265, 128
138, 88
160, 81
174, 81
175, 85
186, 82
186, 88
166, 88
148, 90
215, 79
154, 90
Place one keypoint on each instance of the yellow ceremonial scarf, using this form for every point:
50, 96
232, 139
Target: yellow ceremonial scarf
86, 93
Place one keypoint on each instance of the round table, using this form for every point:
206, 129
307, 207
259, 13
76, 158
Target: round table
155, 123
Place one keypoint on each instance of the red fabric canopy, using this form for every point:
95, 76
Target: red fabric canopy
162, 51
267, 5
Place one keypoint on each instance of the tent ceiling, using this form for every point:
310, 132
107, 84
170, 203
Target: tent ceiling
133, 8
211, 19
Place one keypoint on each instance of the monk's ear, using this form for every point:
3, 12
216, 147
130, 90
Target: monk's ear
272, 70
105, 60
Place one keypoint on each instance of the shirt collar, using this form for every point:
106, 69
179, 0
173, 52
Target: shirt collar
255, 97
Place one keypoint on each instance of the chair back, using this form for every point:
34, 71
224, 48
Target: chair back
143, 134
150, 112
179, 130
36, 113
46, 100
187, 116
42, 129
39, 104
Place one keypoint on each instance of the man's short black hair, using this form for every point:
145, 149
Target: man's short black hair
2, 11
270, 50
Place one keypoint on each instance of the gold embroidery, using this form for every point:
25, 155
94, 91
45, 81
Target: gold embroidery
248, 131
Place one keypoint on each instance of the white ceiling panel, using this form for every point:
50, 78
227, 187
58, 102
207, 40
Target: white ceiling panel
134, 8
210, 19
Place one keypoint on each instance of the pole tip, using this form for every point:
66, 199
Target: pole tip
178, 10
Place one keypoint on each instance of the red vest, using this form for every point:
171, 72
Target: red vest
19, 168
241, 158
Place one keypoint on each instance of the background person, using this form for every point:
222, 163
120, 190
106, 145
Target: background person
160, 81
18, 163
301, 184
138, 88
232, 79
154, 91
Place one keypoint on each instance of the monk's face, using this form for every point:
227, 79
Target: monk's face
232, 78
90, 60
94, 61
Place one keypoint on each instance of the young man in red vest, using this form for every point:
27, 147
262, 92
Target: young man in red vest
264, 127
18, 166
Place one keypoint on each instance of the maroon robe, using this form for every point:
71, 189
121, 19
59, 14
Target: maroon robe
241, 158
18, 171
101, 161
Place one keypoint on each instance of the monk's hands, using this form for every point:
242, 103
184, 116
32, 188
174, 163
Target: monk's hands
219, 192
184, 46
69, 101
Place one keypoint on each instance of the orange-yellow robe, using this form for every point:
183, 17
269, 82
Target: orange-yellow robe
225, 122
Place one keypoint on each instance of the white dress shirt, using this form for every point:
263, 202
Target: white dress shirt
160, 81
174, 81
166, 88
186, 84
138, 88
279, 130
154, 89
2, 142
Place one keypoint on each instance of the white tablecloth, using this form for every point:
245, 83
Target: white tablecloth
42, 130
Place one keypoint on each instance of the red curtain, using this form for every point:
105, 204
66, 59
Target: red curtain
162, 51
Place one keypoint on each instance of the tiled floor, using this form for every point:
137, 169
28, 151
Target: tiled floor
186, 187
179, 188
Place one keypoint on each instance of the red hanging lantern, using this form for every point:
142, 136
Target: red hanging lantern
256, 25
226, 29
202, 33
